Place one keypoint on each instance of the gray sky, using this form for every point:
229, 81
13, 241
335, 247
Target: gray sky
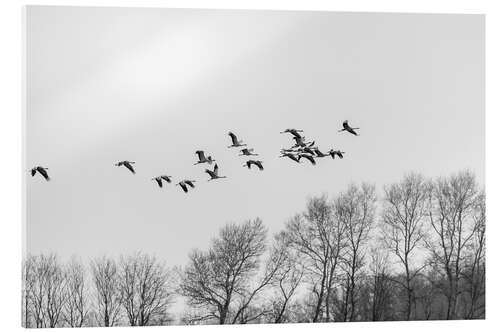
155, 85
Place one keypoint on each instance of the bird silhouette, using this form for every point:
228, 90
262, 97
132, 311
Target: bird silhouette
185, 183
319, 153
190, 182
308, 150
42, 171
168, 179
183, 186
235, 141
291, 156
126, 164
162, 178
301, 142
307, 157
249, 163
247, 152
339, 153
202, 158
158, 180
293, 131
214, 174
348, 128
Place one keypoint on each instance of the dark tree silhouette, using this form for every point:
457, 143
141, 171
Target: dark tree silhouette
146, 290
423, 260
355, 210
75, 311
404, 215
220, 281
288, 276
452, 204
318, 238
46, 281
474, 272
107, 297
381, 286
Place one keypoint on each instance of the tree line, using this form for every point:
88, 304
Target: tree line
416, 252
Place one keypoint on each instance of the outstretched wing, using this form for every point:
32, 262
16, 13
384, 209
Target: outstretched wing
216, 169
308, 150
345, 124
166, 178
295, 133
33, 172
259, 164
129, 166
43, 172
184, 187
292, 157
310, 158
245, 151
158, 180
350, 130
211, 173
234, 139
189, 182
201, 155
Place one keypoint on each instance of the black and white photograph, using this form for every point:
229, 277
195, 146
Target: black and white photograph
217, 167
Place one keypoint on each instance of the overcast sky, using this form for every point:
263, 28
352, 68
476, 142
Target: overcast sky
155, 85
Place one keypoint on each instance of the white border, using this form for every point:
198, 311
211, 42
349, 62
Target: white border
12, 162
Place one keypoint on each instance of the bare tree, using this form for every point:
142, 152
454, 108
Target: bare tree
451, 207
381, 286
403, 221
424, 260
145, 289
36, 274
54, 286
220, 282
474, 273
76, 307
107, 297
355, 210
46, 297
287, 278
427, 292
27, 291
318, 239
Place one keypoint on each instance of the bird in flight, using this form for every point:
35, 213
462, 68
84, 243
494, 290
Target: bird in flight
202, 158
249, 163
293, 131
307, 157
319, 153
235, 141
126, 164
247, 152
291, 156
190, 182
308, 150
348, 128
42, 171
184, 184
160, 180
214, 174
301, 142
339, 153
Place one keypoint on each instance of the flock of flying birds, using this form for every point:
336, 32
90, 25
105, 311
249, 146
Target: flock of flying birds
299, 150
